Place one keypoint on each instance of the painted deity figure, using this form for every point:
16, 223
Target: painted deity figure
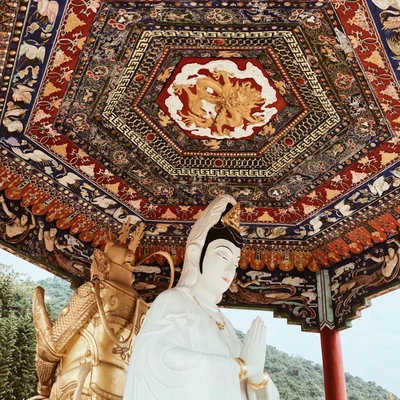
186, 348
389, 269
16, 228
53, 250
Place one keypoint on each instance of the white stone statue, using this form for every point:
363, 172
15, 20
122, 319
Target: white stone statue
187, 349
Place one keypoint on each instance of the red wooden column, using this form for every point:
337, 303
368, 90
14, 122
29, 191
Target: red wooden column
332, 361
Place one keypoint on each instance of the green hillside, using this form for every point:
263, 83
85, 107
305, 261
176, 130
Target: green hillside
295, 377
299, 379
57, 294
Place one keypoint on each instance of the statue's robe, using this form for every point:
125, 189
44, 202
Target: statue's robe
177, 323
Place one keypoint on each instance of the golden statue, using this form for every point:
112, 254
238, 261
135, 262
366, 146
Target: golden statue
234, 102
85, 353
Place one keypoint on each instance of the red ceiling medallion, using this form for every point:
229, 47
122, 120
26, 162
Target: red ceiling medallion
220, 98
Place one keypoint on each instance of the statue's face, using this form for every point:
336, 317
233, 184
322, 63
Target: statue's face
219, 266
24, 219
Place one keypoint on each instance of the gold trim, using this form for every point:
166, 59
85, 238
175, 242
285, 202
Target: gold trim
220, 325
232, 218
260, 385
243, 368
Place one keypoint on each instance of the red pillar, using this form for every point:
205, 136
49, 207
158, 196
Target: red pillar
332, 361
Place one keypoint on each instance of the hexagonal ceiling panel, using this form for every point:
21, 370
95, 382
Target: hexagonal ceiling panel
298, 120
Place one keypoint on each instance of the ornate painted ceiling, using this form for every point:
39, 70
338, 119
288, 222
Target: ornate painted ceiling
148, 110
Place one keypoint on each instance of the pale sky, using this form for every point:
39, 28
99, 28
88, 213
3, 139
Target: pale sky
371, 347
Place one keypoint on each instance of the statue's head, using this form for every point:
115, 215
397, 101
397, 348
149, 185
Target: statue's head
213, 246
117, 261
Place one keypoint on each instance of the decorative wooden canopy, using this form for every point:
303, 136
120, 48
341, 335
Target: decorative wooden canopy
148, 110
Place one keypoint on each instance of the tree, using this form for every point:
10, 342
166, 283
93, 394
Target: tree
7, 346
24, 369
17, 336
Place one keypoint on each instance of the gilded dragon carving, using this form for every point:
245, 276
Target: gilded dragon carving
234, 102
85, 353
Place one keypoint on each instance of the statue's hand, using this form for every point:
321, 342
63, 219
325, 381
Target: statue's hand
254, 347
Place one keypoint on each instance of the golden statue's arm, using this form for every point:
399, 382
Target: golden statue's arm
52, 338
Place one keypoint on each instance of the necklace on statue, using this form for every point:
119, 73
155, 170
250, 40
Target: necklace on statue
220, 325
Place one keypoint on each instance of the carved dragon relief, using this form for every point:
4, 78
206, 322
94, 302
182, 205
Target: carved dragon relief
85, 353
233, 102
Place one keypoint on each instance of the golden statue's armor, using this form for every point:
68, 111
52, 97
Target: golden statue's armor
85, 353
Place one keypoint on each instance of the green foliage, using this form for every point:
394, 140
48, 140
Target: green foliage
23, 370
356, 389
7, 345
295, 377
6, 290
15, 293
17, 332
57, 295
17, 336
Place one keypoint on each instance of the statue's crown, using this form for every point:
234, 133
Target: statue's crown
232, 218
